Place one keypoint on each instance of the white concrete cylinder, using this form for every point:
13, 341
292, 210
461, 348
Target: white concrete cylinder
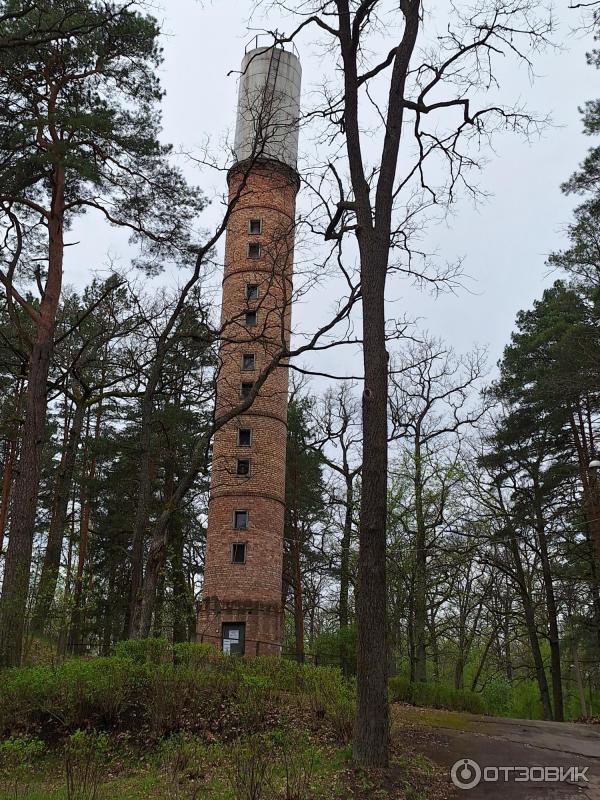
268, 106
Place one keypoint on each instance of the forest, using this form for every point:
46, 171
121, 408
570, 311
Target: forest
442, 512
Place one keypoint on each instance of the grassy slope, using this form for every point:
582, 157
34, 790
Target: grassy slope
231, 717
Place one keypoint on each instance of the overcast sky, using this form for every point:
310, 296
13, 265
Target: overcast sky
504, 242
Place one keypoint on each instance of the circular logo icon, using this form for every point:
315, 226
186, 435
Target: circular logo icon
465, 773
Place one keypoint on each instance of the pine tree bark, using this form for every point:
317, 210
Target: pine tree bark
64, 481
10, 455
142, 510
15, 587
181, 594
84, 528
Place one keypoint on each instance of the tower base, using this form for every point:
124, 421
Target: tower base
242, 627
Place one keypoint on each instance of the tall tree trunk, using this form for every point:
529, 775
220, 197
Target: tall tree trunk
584, 446
371, 732
553, 633
157, 628
62, 492
298, 604
420, 568
15, 587
435, 650
483, 659
344, 614
181, 594
10, 455
459, 664
345, 554
10, 459
595, 589
84, 528
63, 635
371, 736
181, 599
507, 616
410, 628
108, 623
578, 679
142, 511
529, 613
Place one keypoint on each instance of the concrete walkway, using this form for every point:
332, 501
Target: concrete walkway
493, 742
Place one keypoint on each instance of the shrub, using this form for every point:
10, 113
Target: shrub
255, 697
195, 655
85, 752
24, 695
284, 675
18, 756
252, 772
195, 693
179, 755
145, 651
299, 760
497, 696
435, 695
338, 647
81, 692
98, 690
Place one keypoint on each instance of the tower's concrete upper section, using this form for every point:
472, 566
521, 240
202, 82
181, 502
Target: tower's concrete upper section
268, 106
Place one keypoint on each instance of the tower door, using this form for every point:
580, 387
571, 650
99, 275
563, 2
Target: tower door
233, 638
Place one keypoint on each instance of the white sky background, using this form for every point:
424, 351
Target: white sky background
504, 241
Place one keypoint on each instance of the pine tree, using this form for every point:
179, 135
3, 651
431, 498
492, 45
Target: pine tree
79, 130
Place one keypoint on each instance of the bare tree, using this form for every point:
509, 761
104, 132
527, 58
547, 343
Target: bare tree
421, 95
339, 443
433, 403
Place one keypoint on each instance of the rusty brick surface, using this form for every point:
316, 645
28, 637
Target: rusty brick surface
251, 592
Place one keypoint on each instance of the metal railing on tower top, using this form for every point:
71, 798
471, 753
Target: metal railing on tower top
257, 40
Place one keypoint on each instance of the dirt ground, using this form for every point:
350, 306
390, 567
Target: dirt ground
447, 737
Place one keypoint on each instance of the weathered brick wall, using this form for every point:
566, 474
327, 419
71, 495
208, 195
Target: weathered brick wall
251, 592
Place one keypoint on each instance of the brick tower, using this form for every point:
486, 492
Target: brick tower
241, 609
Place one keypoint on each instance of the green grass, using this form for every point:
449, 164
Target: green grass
187, 723
434, 718
435, 695
125, 778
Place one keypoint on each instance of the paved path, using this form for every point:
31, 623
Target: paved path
494, 742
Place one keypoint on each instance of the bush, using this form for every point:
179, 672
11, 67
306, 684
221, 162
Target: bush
18, 756
195, 655
338, 647
98, 690
202, 690
284, 675
299, 760
252, 771
80, 692
24, 695
497, 696
85, 753
435, 695
145, 651
179, 756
